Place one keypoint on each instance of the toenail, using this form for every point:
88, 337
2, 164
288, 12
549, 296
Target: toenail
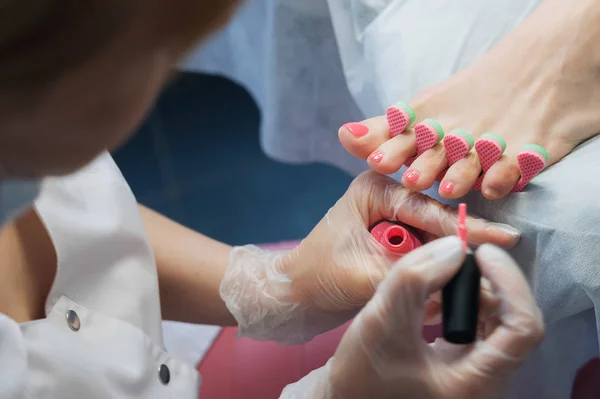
492, 193
357, 129
377, 156
411, 176
447, 187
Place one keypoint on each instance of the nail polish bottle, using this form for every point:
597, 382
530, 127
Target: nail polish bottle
460, 297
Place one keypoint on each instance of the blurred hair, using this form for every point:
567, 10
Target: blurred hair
42, 39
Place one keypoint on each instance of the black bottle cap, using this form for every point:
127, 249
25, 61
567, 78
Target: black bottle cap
460, 303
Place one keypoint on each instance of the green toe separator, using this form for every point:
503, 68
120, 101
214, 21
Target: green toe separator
497, 138
464, 134
438, 128
538, 148
411, 112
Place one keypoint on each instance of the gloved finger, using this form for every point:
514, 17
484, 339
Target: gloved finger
521, 325
440, 220
388, 199
393, 319
488, 313
488, 304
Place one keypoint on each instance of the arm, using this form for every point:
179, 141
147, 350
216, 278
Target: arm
190, 269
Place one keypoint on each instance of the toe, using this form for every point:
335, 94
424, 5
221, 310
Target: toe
460, 177
389, 157
424, 170
500, 178
362, 138
400, 117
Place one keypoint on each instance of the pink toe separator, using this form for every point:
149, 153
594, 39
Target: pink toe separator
427, 137
456, 147
489, 152
398, 120
531, 163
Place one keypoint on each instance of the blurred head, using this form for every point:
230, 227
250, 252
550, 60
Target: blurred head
78, 76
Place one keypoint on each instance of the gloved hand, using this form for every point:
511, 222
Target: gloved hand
292, 296
383, 355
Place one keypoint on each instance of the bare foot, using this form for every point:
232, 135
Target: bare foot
538, 91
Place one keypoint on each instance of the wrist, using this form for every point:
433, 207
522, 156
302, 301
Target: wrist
258, 292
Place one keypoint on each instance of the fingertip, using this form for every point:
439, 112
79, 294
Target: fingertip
494, 260
491, 251
482, 231
510, 236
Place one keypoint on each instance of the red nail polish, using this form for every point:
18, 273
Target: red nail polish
411, 176
377, 156
447, 187
357, 129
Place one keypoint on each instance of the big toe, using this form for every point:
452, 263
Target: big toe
362, 138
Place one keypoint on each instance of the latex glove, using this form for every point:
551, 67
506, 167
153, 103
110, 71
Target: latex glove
383, 355
291, 297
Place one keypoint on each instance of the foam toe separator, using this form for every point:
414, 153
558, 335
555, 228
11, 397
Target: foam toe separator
428, 133
400, 117
531, 160
457, 145
489, 148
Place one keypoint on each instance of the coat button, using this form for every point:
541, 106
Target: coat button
164, 375
73, 320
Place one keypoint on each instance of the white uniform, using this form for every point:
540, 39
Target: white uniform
102, 336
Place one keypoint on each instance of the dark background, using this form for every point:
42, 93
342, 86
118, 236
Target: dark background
196, 164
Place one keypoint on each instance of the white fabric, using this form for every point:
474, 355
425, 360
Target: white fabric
189, 342
16, 195
107, 275
391, 49
284, 53
558, 215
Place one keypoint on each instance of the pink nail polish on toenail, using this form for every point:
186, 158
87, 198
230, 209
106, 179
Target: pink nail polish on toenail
447, 187
357, 129
377, 156
411, 176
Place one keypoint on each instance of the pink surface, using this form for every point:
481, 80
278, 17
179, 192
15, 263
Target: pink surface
246, 369
398, 120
